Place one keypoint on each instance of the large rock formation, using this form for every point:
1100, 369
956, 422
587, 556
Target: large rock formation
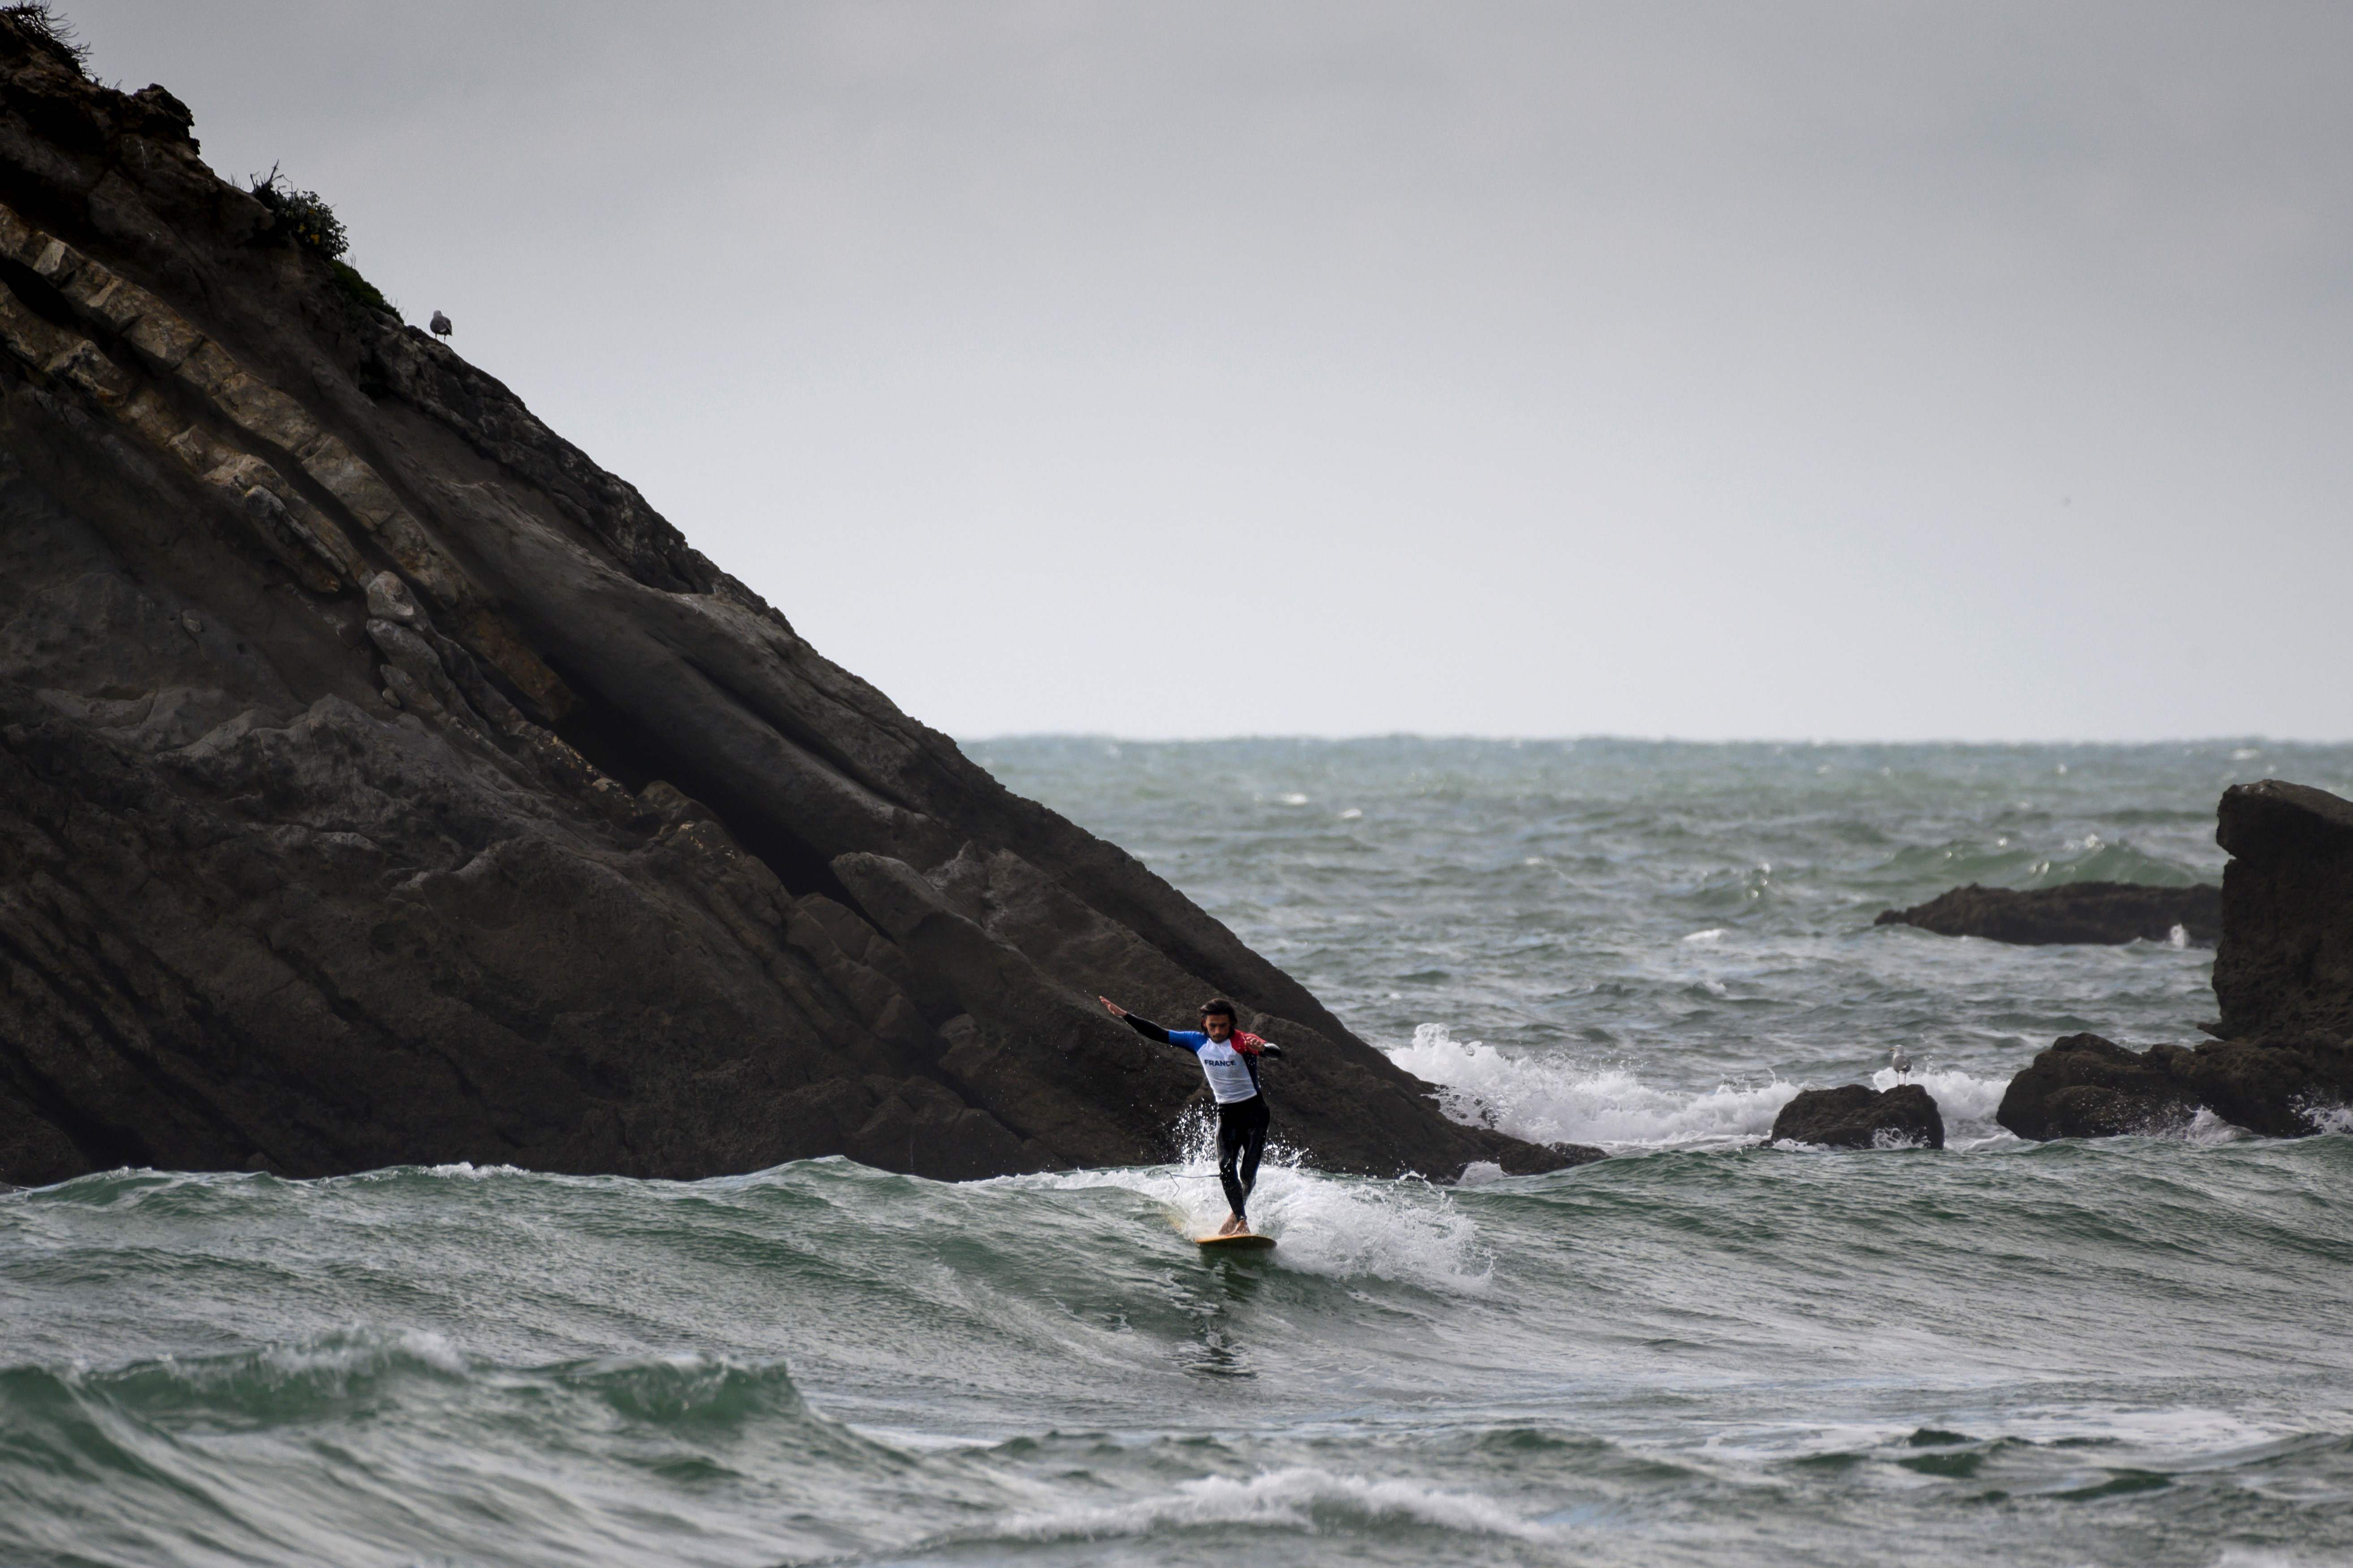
2284, 969
1856, 1116
382, 781
2109, 912
2283, 1064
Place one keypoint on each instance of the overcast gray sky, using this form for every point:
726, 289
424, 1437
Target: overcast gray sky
1741, 370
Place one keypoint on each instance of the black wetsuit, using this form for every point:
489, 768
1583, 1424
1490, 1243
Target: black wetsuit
1241, 1122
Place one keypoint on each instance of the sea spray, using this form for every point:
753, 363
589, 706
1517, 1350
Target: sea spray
1405, 1229
1966, 1102
1548, 1101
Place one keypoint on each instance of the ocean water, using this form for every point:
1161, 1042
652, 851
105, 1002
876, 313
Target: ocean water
1701, 1350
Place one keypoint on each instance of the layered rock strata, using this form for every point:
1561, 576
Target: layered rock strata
1856, 1116
382, 781
2110, 912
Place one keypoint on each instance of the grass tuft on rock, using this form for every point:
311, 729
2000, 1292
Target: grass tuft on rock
41, 25
304, 213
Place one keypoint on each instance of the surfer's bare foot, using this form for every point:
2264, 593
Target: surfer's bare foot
1234, 1225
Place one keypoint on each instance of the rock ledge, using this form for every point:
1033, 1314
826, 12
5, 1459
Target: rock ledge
2108, 912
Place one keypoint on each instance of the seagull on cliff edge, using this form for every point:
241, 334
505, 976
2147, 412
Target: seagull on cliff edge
1899, 1061
440, 325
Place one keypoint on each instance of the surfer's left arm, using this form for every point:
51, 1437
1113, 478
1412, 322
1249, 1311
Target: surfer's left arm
1144, 1026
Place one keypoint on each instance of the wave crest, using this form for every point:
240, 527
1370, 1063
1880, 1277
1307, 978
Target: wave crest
689, 1389
1547, 1100
1299, 1498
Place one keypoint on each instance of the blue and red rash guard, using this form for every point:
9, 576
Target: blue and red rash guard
1232, 1072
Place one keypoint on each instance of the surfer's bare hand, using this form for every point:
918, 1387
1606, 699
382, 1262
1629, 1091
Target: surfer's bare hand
1111, 1007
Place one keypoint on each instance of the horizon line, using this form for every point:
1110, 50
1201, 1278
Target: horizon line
1107, 737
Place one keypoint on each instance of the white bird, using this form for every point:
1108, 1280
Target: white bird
440, 325
1899, 1061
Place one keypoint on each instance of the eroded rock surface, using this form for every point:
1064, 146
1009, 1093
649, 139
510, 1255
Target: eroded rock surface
2087, 1087
2111, 912
382, 781
2283, 1064
1856, 1116
2284, 968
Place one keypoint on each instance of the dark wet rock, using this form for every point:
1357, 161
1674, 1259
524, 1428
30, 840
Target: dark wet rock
2284, 968
2283, 1064
381, 780
2282, 1088
1854, 1116
2284, 972
2087, 1087
2108, 912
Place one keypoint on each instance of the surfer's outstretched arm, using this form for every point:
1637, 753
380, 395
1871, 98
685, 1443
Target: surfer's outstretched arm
1148, 1030
1152, 1031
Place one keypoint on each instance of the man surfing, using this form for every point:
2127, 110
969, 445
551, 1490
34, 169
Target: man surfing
1229, 1060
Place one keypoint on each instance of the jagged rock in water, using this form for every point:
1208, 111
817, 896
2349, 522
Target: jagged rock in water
382, 781
2284, 968
1856, 1116
2282, 972
2087, 1087
2109, 912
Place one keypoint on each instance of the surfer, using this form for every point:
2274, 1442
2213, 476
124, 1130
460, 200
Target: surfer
1228, 1059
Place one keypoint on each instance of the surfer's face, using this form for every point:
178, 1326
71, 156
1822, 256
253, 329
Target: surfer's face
1217, 1026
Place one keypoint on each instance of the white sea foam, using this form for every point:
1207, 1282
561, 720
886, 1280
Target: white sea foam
1965, 1101
461, 1170
2336, 1118
1547, 1100
1343, 1226
2207, 1129
1297, 1498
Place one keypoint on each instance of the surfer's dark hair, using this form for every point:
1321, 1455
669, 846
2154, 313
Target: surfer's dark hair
1217, 1005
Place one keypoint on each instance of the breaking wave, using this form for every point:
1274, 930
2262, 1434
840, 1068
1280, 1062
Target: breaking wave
1548, 1101
1296, 1498
1408, 1231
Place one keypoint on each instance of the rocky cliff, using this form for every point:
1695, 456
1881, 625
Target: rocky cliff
382, 781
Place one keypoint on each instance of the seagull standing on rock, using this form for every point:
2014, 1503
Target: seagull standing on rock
1899, 1061
440, 325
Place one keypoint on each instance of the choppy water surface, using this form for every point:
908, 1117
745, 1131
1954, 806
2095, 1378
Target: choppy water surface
1703, 1351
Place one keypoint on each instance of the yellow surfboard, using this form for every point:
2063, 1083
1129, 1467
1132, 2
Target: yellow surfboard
1240, 1241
